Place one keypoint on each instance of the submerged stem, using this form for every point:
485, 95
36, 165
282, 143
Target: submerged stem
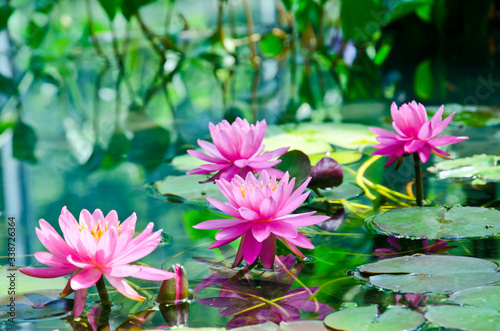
103, 293
418, 180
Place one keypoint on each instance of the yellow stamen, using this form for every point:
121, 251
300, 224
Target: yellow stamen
97, 229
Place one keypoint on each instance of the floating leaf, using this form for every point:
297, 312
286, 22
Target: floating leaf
483, 296
343, 192
326, 173
464, 318
367, 318
438, 222
342, 157
186, 188
36, 305
430, 273
473, 116
483, 167
298, 142
297, 164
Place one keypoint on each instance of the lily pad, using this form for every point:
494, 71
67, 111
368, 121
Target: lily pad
36, 305
303, 325
430, 273
182, 189
483, 296
26, 283
367, 318
485, 168
342, 157
297, 164
473, 116
345, 191
438, 222
464, 318
294, 141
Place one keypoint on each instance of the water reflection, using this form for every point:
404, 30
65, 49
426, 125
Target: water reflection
252, 296
400, 247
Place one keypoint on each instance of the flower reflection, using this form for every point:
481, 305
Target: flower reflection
417, 301
405, 247
252, 297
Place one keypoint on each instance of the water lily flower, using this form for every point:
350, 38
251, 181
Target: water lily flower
237, 150
262, 212
414, 133
96, 246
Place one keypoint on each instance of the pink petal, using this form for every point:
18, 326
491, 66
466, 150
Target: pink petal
124, 288
47, 272
273, 172
293, 203
51, 260
86, 218
391, 161
446, 140
154, 274
383, 132
268, 251
52, 240
112, 218
425, 131
205, 157
424, 153
224, 207
138, 250
271, 155
413, 146
251, 248
268, 208
239, 255
301, 241
106, 246
85, 278
233, 232
261, 231
303, 219
218, 223
248, 146
98, 215
210, 149
292, 247
79, 303
439, 151
438, 127
79, 263
438, 115
249, 214
283, 229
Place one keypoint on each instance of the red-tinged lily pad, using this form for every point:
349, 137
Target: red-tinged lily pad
429, 273
438, 223
464, 318
326, 173
368, 319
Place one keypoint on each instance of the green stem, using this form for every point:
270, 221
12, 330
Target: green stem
103, 293
418, 179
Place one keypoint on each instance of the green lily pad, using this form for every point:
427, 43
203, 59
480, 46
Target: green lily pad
345, 135
306, 144
429, 273
182, 189
473, 116
24, 283
438, 222
464, 318
482, 167
367, 318
342, 157
36, 305
345, 191
483, 296
297, 164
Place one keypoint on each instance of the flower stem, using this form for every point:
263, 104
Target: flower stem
418, 179
103, 293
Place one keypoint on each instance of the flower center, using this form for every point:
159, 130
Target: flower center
97, 229
243, 188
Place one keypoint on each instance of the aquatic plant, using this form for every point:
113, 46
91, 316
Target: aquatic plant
236, 150
93, 248
262, 212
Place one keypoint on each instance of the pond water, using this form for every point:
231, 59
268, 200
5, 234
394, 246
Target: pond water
92, 116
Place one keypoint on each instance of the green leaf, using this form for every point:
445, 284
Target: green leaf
34, 34
24, 142
345, 191
298, 142
271, 45
464, 318
148, 147
438, 222
424, 81
360, 25
400, 8
36, 305
182, 189
429, 273
483, 167
118, 148
342, 157
5, 12
297, 164
7, 86
483, 296
130, 7
367, 318
110, 7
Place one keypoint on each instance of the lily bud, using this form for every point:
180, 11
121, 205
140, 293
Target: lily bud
174, 290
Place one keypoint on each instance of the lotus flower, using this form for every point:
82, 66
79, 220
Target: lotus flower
262, 213
237, 150
94, 247
414, 133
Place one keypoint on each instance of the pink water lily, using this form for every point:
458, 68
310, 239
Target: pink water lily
237, 150
96, 246
414, 133
262, 212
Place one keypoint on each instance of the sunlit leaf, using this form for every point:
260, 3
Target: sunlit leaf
297, 164
483, 167
430, 273
367, 318
438, 222
464, 318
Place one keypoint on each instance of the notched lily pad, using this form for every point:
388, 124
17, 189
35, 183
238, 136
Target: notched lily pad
438, 223
483, 296
464, 318
477, 168
367, 318
183, 189
429, 273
